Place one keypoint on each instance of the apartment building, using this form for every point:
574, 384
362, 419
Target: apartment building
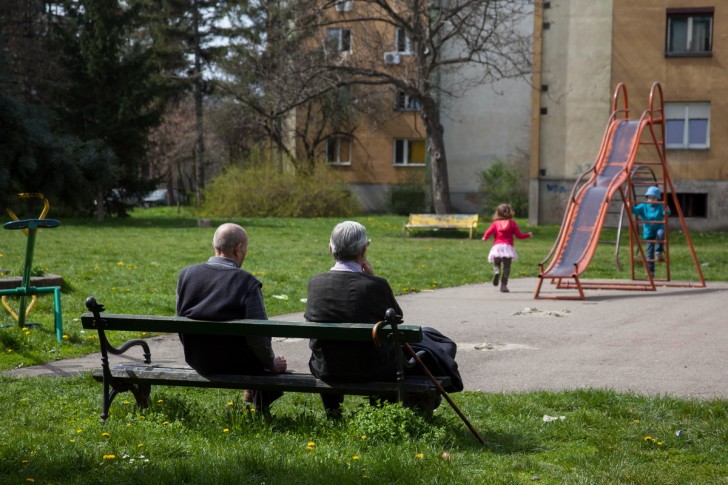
584, 49
386, 145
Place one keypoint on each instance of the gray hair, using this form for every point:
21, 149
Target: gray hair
348, 240
227, 236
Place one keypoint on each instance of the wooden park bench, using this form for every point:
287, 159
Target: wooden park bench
441, 221
138, 378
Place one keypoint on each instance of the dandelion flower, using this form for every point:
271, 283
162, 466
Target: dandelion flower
419, 456
66, 337
226, 430
355, 457
71, 441
160, 401
363, 436
648, 438
30, 480
230, 403
120, 263
311, 443
635, 420
105, 434
140, 445
109, 457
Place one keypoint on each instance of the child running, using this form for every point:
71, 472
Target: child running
502, 253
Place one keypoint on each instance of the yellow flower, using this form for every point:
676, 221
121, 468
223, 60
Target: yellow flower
30, 480
79, 430
120, 263
419, 456
109, 457
363, 436
355, 457
66, 337
71, 441
226, 430
140, 445
230, 403
635, 420
311, 443
160, 401
105, 434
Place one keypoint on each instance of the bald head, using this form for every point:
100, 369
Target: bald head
231, 241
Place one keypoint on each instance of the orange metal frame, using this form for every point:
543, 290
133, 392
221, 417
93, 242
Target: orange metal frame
588, 202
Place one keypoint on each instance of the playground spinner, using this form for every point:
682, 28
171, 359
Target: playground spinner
30, 228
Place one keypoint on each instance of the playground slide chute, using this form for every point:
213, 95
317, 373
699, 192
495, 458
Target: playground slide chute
588, 207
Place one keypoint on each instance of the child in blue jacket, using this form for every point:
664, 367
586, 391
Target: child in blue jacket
650, 212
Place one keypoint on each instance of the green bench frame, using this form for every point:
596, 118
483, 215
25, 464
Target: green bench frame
138, 377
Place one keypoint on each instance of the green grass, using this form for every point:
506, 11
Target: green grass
50, 432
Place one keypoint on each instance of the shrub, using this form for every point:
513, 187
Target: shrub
501, 184
265, 191
406, 199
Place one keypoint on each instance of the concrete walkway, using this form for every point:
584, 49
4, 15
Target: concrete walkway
673, 341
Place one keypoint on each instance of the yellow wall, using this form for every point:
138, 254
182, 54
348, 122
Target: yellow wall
639, 59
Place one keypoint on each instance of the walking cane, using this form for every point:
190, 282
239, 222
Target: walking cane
391, 319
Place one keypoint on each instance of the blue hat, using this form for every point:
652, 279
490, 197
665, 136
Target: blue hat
653, 191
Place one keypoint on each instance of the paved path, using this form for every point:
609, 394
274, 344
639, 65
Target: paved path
673, 341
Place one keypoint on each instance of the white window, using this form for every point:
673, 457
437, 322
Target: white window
409, 152
338, 150
687, 125
404, 102
340, 39
343, 6
402, 43
689, 32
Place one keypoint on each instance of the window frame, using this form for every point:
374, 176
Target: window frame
336, 148
343, 6
405, 103
407, 152
689, 14
405, 43
337, 33
701, 110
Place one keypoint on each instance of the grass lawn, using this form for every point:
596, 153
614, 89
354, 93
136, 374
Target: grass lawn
50, 433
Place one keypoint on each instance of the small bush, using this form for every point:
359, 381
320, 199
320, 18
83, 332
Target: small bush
407, 199
265, 191
392, 423
501, 184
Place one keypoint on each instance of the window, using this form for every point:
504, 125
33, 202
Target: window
343, 6
689, 32
338, 150
692, 205
687, 125
404, 102
402, 42
340, 39
409, 152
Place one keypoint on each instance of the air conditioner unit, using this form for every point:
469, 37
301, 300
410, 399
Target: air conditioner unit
391, 58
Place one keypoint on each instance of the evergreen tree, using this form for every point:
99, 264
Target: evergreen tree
112, 98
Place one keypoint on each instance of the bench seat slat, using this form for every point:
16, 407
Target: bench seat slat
266, 328
289, 382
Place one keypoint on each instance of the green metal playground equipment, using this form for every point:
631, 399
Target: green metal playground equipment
30, 228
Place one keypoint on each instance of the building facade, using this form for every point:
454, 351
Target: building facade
584, 49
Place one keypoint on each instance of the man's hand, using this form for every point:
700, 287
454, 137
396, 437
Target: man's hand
279, 365
366, 267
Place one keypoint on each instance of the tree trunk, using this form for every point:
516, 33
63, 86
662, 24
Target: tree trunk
199, 113
100, 206
438, 161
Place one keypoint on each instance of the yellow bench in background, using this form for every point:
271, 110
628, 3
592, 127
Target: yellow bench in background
441, 221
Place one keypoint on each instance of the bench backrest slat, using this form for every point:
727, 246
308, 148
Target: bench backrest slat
443, 219
271, 328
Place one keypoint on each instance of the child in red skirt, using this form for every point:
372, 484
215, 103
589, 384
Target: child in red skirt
502, 253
